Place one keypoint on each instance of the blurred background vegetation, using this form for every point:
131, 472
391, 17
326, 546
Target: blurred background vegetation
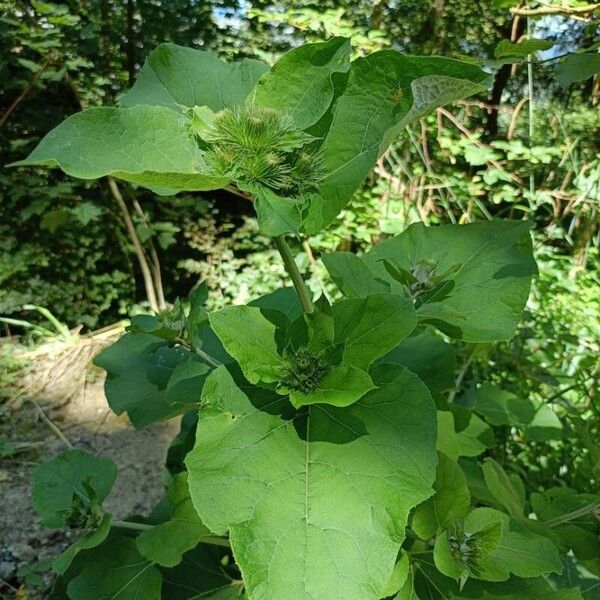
529, 150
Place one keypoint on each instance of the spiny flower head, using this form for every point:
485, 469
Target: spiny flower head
261, 146
304, 370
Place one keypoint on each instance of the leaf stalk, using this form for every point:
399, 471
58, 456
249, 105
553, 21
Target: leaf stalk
213, 540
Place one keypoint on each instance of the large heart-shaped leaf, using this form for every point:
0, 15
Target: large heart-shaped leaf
179, 77
149, 145
385, 92
300, 83
315, 501
470, 281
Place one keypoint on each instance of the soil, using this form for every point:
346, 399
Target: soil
58, 400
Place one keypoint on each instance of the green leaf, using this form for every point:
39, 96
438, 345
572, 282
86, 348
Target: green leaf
427, 355
249, 337
491, 546
370, 327
167, 542
311, 495
499, 407
283, 301
544, 426
149, 145
450, 502
463, 552
117, 572
399, 576
385, 92
508, 491
86, 212
479, 155
352, 276
489, 266
476, 481
471, 441
89, 540
69, 489
202, 574
577, 67
475, 438
576, 574
149, 379
53, 220
182, 443
277, 215
522, 49
177, 78
573, 517
520, 551
300, 83
342, 386
516, 588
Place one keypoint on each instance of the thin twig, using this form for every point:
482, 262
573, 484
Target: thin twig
57, 432
514, 117
26, 91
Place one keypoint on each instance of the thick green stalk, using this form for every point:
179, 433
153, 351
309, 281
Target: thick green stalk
292, 268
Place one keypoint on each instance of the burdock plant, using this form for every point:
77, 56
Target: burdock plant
320, 457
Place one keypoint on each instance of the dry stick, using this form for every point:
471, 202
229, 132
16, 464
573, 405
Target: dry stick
55, 430
26, 91
513, 119
309, 253
139, 251
156, 270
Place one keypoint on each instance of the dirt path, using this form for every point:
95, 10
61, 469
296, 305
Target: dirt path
69, 391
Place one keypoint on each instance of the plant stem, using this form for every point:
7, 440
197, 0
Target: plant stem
209, 539
132, 525
580, 512
292, 268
